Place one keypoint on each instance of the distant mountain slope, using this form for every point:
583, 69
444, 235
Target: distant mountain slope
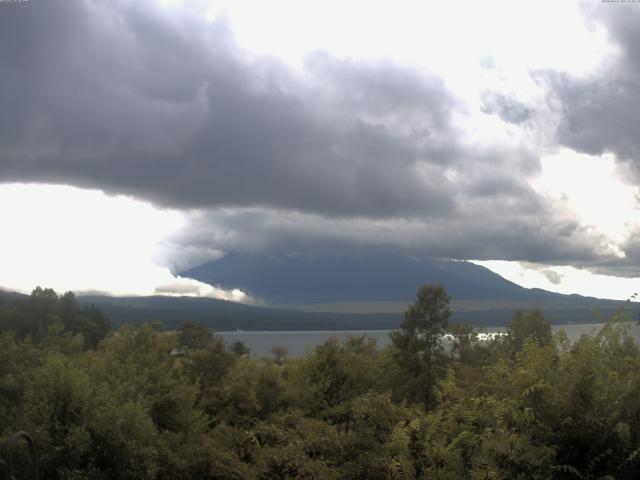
224, 316
6, 296
299, 280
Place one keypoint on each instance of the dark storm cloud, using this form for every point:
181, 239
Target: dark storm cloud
123, 97
627, 266
599, 114
119, 96
508, 109
480, 233
595, 114
387, 92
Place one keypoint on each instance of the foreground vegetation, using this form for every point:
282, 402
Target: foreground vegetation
140, 403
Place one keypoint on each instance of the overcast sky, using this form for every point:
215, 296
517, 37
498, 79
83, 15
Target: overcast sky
140, 138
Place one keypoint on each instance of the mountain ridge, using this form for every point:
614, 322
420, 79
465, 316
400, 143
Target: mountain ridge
300, 281
221, 315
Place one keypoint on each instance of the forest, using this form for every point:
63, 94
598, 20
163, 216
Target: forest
142, 403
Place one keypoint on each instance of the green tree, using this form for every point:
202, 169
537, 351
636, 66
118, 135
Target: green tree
326, 382
279, 353
530, 325
35, 315
464, 341
194, 336
239, 348
418, 343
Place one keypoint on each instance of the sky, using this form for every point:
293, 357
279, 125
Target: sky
141, 138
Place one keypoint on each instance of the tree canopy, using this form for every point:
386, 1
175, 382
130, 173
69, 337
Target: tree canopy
418, 343
141, 403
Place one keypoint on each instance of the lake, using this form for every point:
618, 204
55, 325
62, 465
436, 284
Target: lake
298, 343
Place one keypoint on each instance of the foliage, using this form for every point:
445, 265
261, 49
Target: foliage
418, 343
141, 403
36, 314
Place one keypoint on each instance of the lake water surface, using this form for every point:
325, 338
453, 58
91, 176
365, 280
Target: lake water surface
298, 343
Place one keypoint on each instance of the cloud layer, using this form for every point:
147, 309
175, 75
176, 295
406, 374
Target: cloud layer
125, 97
599, 113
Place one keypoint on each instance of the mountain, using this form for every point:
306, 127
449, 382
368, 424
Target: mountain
345, 293
222, 315
373, 282
7, 296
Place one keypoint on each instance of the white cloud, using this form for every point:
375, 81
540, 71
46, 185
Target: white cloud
591, 187
564, 279
71, 239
